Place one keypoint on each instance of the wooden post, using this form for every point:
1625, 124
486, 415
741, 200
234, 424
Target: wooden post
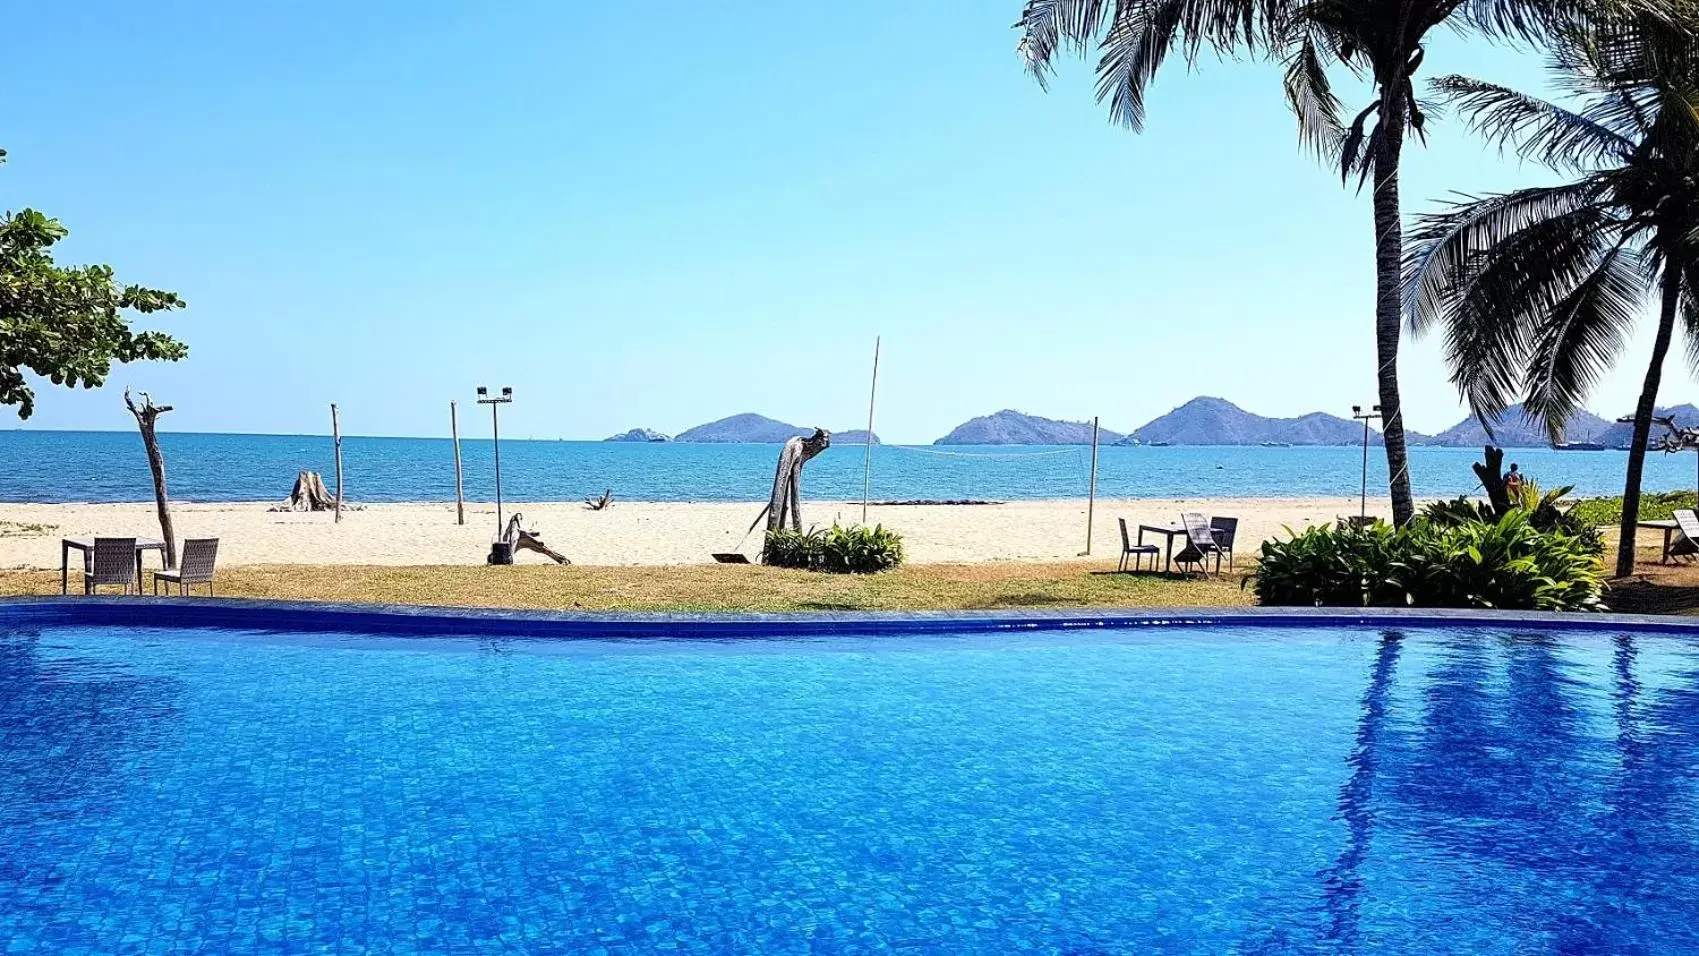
1091, 496
459, 486
867, 459
336, 438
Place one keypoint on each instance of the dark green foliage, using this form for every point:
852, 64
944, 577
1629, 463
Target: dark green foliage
66, 323
852, 550
1654, 506
1507, 564
1545, 512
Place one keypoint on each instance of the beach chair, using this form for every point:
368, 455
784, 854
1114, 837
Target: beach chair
1135, 551
1200, 543
113, 562
1224, 530
193, 567
1687, 545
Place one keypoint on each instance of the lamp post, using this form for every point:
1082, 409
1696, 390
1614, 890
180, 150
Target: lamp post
484, 398
1358, 413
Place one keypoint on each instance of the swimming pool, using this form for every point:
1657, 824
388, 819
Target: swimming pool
1323, 786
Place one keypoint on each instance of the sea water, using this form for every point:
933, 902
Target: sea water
54, 466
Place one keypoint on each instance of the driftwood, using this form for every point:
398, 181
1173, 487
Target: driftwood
521, 540
1492, 479
784, 506
310, 494
146, 415
602, 502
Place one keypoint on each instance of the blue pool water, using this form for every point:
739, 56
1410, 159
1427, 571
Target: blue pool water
1156, 790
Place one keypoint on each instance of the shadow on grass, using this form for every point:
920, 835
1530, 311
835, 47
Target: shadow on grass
1640, 596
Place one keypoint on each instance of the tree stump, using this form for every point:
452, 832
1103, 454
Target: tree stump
519, 539
1492, 479
309, 494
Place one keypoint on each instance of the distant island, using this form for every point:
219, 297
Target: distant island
1513, 430
639, 434
1009, 427
1216, 421
759, 429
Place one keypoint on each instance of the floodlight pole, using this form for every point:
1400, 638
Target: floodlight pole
1363, 501
484, 398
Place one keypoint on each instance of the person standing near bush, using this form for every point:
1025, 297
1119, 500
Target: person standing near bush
1513, 483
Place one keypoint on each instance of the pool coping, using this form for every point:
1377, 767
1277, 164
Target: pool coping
250, 614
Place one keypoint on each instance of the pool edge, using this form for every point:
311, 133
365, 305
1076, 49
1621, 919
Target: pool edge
420, 619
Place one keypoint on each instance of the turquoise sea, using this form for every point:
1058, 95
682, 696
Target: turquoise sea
52, 466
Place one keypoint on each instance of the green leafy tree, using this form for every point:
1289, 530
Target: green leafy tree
1537, 289
1381, 42
67, 324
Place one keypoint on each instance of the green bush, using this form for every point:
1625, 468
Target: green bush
1545, 512
1654, 506
1507, 564
853, 550
785, 548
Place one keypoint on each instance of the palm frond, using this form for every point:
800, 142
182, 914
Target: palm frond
1357, 149
1581, 336
1545, 132
1444, 248
1312, 100
1049, 27
1498, 299
1519, 21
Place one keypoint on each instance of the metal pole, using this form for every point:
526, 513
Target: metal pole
867, 458
1091, 496
495, 431
1363, 506
459, 484
336, 437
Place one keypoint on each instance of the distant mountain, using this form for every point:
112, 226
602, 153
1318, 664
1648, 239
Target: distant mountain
854, 436
1515, 431
1009, 427
638, 434
1620, 435
748, 427
1216, 421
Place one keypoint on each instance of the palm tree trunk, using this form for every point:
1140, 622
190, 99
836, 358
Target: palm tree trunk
1643, 422
1389, 306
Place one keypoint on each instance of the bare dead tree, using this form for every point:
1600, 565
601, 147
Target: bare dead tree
522, 540
784, 505
146, 415
1491, 474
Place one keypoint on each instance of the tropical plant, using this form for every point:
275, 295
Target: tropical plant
853, 550
66, 323
1546, 511
1507, 564
1380, 41
1537, 289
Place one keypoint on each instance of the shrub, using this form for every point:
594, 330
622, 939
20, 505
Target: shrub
1654, 506
1545, 511
852, 550
1508, 564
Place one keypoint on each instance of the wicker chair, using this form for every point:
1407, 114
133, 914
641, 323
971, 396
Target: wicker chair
199, 556
1135, 551
1224, 530
113, 562
1200, 543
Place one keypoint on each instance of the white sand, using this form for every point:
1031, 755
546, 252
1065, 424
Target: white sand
635, 532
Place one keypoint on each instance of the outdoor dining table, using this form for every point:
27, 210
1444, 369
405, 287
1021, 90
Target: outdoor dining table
1669, 528
86, 546
1169, 531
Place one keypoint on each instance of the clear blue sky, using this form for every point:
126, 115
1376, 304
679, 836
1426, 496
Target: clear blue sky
661, 213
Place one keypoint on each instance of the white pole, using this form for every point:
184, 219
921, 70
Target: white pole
1091, 496
336, 437
867, 457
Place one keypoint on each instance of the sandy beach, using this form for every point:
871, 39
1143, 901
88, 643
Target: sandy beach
633, 533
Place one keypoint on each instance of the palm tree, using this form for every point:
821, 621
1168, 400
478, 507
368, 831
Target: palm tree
1380, 41
1538, 288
